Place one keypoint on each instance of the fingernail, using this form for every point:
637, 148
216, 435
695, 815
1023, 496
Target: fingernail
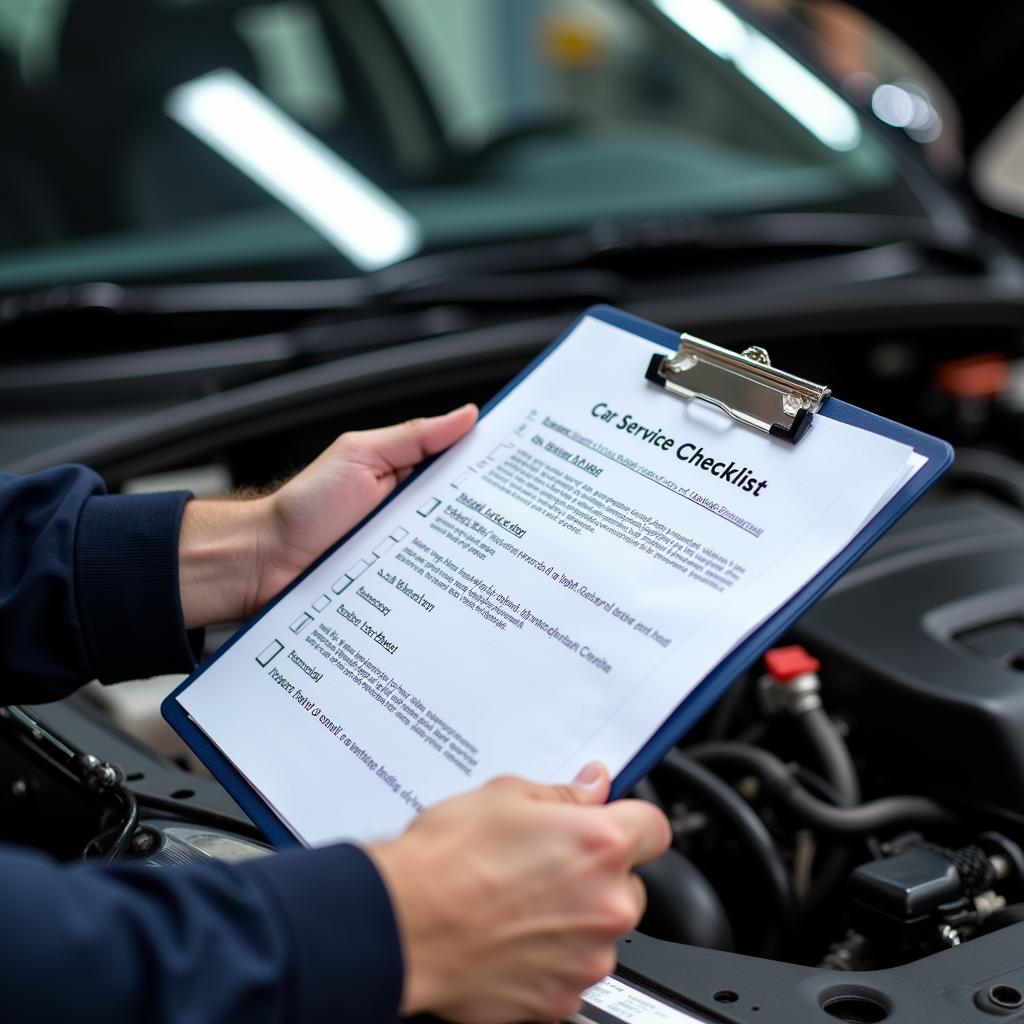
589, 774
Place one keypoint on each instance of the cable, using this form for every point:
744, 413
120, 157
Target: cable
128, 826
645, 790
874, 816
997, 472
749, 827
721, 718
832, 753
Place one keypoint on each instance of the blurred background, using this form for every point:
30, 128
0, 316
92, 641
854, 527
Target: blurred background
232, 229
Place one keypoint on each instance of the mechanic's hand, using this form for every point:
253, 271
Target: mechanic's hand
237, 554
509, 899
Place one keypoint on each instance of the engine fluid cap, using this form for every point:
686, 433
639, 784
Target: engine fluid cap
786, 663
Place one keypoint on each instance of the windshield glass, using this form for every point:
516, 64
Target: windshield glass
204, 139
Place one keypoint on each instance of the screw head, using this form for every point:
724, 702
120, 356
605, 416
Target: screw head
142, 842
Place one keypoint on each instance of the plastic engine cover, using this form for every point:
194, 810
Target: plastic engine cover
923, 651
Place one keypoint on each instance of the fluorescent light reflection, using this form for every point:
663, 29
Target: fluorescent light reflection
764, 63
238, 122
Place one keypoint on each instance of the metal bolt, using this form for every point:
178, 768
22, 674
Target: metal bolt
950, 936
987, 903
142, 842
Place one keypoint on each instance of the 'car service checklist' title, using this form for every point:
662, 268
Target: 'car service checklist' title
686, 451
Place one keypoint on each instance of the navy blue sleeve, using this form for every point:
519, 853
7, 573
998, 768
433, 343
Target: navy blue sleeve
307, 935
88, 585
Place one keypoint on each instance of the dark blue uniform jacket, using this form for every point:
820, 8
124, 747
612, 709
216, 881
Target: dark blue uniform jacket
89, 589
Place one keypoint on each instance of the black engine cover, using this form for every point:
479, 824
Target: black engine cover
923, 651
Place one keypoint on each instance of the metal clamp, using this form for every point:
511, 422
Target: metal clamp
745, 385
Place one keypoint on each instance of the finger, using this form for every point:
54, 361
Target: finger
591, 786
406, 444
637, 894
645, 825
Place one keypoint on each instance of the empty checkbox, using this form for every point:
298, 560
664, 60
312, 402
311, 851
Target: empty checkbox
399, 533
269, 653
301, 622
321, 603
384, 547
428, 507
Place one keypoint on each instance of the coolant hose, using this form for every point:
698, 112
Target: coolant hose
832, 753
743, 822
874, 816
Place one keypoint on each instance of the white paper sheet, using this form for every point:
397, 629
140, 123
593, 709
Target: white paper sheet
548, 592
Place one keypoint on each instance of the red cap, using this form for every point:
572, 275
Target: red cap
786, 663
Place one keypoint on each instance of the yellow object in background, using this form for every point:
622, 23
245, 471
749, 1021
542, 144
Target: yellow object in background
572, 42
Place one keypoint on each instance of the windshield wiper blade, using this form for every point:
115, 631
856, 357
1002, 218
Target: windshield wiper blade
573, 265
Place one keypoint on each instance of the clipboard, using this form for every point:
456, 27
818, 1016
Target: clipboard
750, 390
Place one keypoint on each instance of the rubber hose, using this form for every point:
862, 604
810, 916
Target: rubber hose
644, 790
682, 905
832, 753
857, 821
744, 823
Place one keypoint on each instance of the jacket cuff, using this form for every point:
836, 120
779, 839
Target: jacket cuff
347, 960
126, 586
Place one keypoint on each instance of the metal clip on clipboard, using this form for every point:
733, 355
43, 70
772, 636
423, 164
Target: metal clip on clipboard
746, 386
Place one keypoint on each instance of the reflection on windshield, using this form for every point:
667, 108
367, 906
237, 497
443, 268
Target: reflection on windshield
769, 67
357, 131
264, 143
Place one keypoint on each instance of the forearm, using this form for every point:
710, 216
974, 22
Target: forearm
88, 584
306, 935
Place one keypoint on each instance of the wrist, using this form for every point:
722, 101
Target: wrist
423, 987
221, 549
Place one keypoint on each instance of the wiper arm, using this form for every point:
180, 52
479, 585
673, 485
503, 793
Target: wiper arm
573, 265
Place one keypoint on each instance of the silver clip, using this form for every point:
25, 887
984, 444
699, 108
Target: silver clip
746, 386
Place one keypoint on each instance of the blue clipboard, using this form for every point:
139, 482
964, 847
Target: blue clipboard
938, 453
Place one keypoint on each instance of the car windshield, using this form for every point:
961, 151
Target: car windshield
222, 139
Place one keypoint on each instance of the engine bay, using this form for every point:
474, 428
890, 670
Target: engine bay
881, 757
848, 820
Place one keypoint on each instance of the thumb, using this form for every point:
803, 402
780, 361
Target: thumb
591, 786
409, 443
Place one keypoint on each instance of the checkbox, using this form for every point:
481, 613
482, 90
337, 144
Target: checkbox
301, 622
358, 569
460, 480
340, 585
384, 547
269, 653
428, 507
321, 603
399, 533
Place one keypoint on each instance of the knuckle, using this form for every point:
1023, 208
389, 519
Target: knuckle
617, 915
606, 838
640, 891
560, 1006
567, 794
505, 784
660, 826
598, 966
